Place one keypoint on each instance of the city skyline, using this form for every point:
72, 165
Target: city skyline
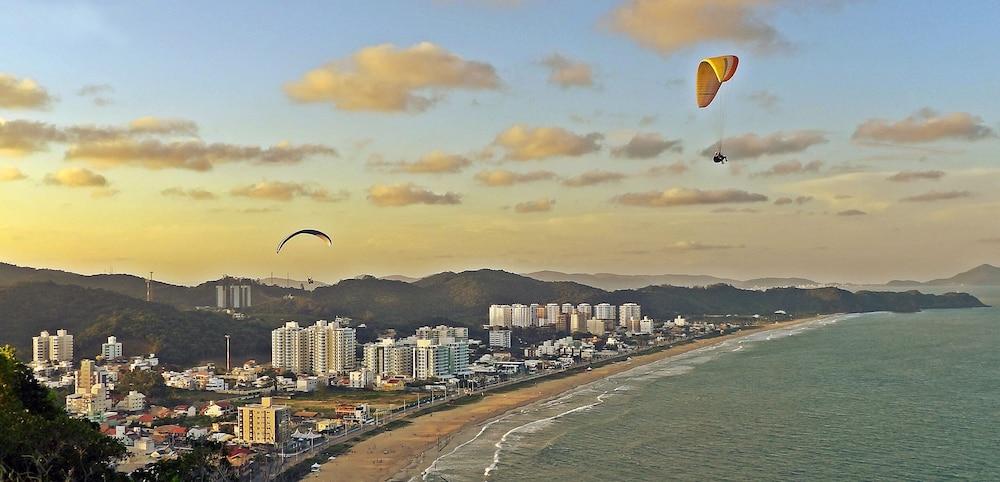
519, 135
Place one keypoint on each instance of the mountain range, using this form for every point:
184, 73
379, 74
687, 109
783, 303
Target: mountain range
982, 275
94, 307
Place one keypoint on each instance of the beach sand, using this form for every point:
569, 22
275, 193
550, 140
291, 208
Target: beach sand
406, 452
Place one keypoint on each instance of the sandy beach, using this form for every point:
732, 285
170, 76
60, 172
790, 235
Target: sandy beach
405, 452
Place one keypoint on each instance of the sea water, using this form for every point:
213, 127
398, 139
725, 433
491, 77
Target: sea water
875, 396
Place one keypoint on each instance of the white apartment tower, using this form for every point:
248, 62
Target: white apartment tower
440, 332
500, 315
233, 296
112, 349
523, 316
443, 360
54, 349
552, 312
605, 311
389, 357
586, 310
319, 349
629, 312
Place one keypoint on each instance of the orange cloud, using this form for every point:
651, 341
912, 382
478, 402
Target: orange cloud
524, 143
907, 176
669, 26
536, 206
20, 137
384, 78
435, 162
502, 177
685, 196
286, 191
591, 178
788, 168
937, 196
925, 125
8, 173
397, 195
76, 177
24, 93
197, 194
194, 155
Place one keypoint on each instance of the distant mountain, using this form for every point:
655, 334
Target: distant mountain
293, 283
399, 277
982, 275
610, 281
91, 315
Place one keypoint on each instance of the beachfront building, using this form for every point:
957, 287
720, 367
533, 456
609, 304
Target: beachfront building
320, 349
389, 357
501, 315
263, 423
54, 349
446, 359
629, 312
112, 349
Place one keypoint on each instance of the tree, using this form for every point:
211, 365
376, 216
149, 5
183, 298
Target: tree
206, 462
41, 442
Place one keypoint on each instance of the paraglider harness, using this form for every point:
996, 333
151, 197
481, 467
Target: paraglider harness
719, 158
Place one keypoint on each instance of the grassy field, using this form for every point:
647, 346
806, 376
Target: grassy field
324, 401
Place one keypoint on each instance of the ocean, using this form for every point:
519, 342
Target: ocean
877, 396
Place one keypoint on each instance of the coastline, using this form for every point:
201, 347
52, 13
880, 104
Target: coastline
404, 453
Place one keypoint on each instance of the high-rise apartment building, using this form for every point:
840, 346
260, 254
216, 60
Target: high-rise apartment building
47, 348
439, 332
444, 360
501, 315
323, 348
112, 349
629, 312
552, 313
233, 296
263, 423
389, 357
586, 310
523, 316
605, 311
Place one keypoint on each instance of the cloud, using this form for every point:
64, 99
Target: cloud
925, 125
20, 137
161, 126
852, 212
395, 195
567, 73
669, 26
193, 154
937, 196
749, 146
435, 162
765, 99
788, 168
8, 173
685, 196
800, 200
98, 93
384, 78
592, 178
907, 176
76, 177
536, 206
501, 177
675, 169
24, 93
286, 191
524, 143
699, 246
734, 210
646, 146
197, 194
647, 120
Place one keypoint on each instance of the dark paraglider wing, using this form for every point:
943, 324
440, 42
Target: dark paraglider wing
310, 232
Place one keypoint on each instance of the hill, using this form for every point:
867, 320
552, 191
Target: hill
611, 282
982, 275
91, 315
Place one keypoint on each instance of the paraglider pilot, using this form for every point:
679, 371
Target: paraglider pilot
719, 158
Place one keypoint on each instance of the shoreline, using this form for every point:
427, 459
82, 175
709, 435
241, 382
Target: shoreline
406, 452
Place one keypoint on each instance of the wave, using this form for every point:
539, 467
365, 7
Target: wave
534, 425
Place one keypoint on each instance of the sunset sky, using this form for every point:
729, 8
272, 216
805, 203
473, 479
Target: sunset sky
524, 135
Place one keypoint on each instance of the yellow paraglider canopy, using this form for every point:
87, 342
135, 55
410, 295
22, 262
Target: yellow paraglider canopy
712, 72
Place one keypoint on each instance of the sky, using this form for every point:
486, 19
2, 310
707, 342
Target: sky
429, 135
